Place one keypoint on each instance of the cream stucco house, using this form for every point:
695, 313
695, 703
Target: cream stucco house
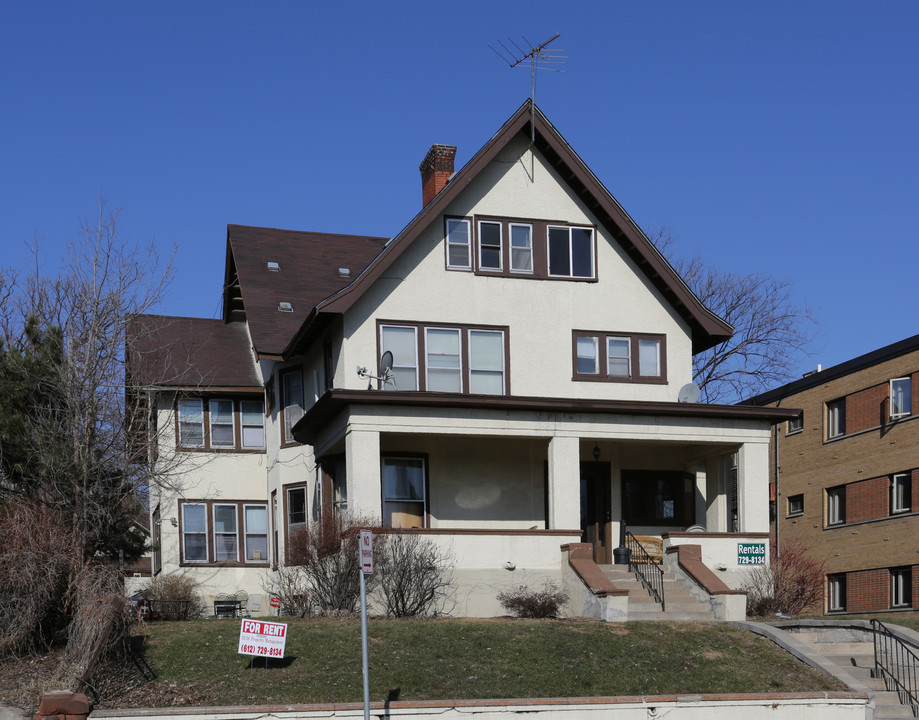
539, 343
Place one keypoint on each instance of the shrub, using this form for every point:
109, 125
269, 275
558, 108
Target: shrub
176, 586
787, 585
529, 603
416, 576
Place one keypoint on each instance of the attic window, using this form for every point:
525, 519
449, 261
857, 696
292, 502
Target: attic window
274, 267
285, 307
344, 272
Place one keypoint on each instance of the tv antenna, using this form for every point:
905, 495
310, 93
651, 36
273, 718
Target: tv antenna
540, 57
385, 375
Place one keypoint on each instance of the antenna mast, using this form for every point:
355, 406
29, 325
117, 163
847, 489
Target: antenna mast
540, 58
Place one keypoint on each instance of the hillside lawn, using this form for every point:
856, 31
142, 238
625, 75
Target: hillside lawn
196, 662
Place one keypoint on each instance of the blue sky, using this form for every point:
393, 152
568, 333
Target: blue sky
776, 137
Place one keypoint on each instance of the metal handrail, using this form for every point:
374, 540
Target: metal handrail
897, 663
648, 572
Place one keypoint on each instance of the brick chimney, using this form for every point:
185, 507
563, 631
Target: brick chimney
436, 169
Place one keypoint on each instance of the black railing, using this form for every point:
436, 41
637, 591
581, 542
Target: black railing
897, 663
646, 569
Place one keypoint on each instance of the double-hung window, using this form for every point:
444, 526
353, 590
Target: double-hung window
836, 505
221, 426
226, 533
571, 252
836, 418
252, 423
404, 497
459, 244
491, 245
291, 400
456, 359
901, 397
619, 357
836, 593
521, 248
901, 493
255, 518
191, 422
194, 532
901, 587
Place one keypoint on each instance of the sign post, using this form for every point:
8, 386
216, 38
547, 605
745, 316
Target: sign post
366, 552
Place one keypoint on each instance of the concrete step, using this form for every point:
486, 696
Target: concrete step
892, 712
847, 648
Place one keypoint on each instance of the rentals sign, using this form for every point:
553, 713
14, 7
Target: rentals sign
751, 553
265, 639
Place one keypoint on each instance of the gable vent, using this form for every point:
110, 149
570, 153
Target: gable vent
344, 272
285, 307
274, 267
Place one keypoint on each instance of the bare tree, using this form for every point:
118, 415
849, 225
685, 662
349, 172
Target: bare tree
67, 435
771, 332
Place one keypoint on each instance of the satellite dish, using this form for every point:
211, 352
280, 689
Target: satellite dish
386, 364
689, 393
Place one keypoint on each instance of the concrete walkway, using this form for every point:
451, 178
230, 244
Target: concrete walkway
843, 649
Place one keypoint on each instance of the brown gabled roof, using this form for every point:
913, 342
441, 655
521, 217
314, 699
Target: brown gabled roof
308, 273
707, 328
189, 353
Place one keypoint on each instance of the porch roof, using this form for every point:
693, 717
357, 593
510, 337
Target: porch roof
335, 401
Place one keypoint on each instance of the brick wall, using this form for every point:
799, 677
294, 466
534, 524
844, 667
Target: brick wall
868, 499
867, 408
869, 590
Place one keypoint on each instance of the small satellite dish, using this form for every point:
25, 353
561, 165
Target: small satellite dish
689, 393
386, 364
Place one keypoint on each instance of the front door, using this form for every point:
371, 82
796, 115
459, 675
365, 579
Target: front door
596, 510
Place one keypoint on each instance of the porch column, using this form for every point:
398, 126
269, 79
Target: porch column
564, 483
362, 458
753, 487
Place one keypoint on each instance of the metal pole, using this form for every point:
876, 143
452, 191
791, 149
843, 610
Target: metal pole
364, 647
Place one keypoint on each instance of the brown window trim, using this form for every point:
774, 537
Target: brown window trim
427, 486
602, 375
206, 414
464, 350
209, 534
283, 401
285, 509
540, 248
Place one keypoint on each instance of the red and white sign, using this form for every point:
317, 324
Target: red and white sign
265, 639
275, 602
366, 552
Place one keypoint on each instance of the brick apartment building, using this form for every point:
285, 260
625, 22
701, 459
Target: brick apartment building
844, 475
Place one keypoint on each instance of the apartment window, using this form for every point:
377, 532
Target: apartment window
836, 505
901, 397
404, 501
901, 587
658, 497
226, 534
836, 593
221, 425
459, 255
836, 418
252, 422
194, 532
456, 359
571, 252
191, 422
490, 245
215, 532
796, 424
521, 248
291, 401
444, 373
157, 537
296, 509
231, 424
795, 505
255, 532
274, 527
901, 493
619, 357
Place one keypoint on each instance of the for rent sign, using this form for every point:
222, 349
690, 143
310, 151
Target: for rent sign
751, 553
265, 639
